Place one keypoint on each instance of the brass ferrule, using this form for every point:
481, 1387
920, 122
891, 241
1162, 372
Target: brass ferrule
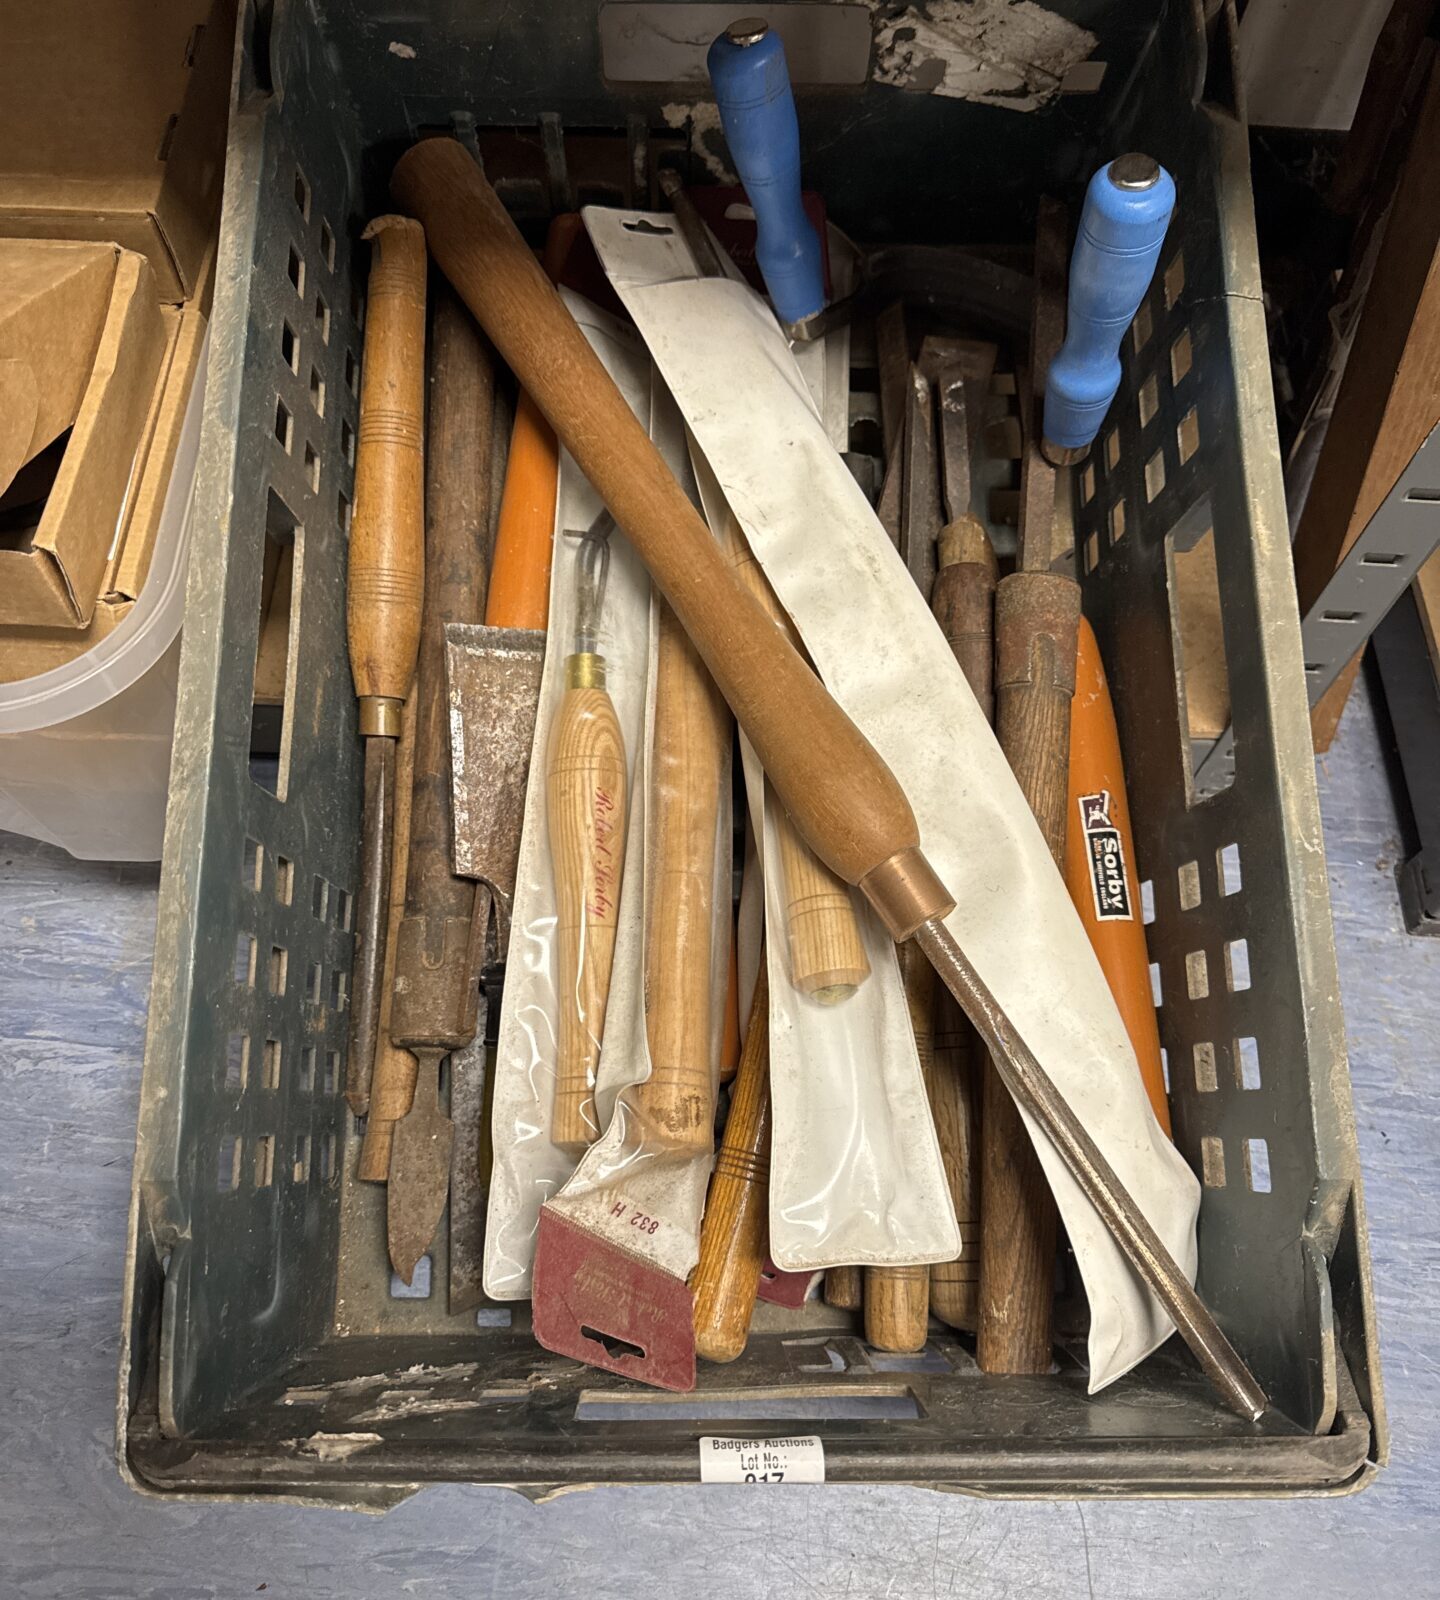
585, 670
906, 892
380, 716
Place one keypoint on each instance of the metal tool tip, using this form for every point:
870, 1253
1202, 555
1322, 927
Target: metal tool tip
670, 182
747, 31
1134, 170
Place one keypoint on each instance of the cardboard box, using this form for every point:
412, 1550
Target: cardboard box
61, 512
142, 167
112, 127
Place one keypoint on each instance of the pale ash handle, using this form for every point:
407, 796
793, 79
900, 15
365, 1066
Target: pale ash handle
897, 1299
692, 734
387, 533
827, 958
585, 802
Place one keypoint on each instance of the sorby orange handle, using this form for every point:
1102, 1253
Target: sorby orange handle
1100, 863
519, 594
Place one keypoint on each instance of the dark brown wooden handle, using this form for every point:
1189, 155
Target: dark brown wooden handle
441, 941
734, 1233
897, 1299
1037, 621
844, 799
387, 530
963, 601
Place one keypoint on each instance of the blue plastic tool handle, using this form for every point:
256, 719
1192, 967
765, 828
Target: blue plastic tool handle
752, 88
1121, 231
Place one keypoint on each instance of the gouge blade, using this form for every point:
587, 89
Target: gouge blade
419, 1169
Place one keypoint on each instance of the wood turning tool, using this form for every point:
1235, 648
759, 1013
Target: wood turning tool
1100, 864
963, 601
441, 943
897, 1299
392, 1085
1037, 613
826, 952
585, 781
734, 1236
844, 800
384, 587
692, 737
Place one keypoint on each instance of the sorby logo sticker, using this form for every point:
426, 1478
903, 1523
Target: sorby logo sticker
1109, 881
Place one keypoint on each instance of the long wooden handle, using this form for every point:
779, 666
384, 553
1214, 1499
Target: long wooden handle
1100, 863
520, 566
687, 764
845, 800
387, 531
586, 807
963, 601
441, 941
1037, 615
392, 1084
822, 934
897, 1299
953, 1085
733, 1236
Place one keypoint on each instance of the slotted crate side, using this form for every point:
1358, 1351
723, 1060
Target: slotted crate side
241, 1122
1241, 936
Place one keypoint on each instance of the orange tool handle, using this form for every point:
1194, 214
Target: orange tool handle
519, 595
1100, 863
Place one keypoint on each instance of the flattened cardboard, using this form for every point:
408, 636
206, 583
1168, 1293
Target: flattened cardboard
54, 299
53, 578
112, 126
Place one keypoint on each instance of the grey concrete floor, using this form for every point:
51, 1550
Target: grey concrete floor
75, 954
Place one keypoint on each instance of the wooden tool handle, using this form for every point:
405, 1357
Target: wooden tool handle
585, 803
822, 934
1037, 615
897, 1299
897, 1307
963, 601
1100, 864
387, 530
953, 1086
844, 799
845, 1288
524, 534
687, 764
733, 1236
730, 1033
392, 1083
441, 941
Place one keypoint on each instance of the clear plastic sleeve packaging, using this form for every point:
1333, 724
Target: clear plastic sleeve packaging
641, 1186
873, 641
600, 695
856, 1175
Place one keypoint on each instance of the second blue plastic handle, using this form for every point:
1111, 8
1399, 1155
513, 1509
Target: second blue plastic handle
1121, 230
752, 89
